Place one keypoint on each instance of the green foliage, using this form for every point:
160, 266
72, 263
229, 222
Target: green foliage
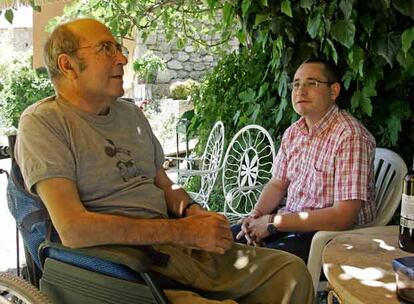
147, 66
240, 91
371, 42
20, 88
183, 21
183, 89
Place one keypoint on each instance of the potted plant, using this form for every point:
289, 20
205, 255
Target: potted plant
146, 68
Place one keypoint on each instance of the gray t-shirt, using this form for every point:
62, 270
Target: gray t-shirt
112, 158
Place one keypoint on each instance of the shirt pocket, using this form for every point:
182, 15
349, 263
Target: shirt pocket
322, 186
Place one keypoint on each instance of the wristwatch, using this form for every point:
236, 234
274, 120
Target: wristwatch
271, 228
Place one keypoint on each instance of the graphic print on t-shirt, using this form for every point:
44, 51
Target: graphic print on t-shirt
125, 164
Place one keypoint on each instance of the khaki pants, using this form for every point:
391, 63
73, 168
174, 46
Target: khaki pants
244, 274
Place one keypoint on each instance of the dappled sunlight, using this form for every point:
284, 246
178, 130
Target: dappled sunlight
370, 276
139, 130
348, 246
369, 273
253, 268
303, 215
383, 245
176, 187
242, 260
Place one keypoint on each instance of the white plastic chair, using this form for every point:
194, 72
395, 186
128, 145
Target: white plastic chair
247, 167
209, 164
390, 170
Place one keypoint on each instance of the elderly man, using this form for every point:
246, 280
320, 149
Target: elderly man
325, 164
94, 161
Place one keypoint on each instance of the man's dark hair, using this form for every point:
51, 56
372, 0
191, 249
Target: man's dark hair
330, 69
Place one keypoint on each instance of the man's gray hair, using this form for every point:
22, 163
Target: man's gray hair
60, 41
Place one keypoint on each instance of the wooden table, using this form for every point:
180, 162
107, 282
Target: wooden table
358, 265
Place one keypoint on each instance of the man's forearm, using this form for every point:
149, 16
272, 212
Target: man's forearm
331, 218
270, 198
114, 229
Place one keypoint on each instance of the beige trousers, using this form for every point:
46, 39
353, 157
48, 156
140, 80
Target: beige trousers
244, 274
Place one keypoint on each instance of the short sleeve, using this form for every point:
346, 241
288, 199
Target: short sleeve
354, 169
42, 152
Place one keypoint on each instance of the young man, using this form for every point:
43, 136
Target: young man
94, 161
325, 165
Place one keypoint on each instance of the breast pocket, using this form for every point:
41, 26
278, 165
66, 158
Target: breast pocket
322, 186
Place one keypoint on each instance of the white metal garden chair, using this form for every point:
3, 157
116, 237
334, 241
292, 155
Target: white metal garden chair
208, 164
390, 170
247, 167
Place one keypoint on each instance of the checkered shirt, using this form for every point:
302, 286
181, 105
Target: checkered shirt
333, 161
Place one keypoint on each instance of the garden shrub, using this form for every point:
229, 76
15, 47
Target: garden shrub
22, 87
183, 89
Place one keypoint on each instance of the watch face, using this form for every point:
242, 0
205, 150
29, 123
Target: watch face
271, 229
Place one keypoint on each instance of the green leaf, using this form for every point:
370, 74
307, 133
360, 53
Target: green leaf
211, 3
281, 110
407, 39
245, 7
314, 23
387, 46
9, 15
241, 36
356, 99
366, 106
247, 96
228, 13
344, 32
282, 88
369, 91
347, 78
263, 89
346, 8
333, 51
260, 18
368, 23
236, 116
264, 3
285, 8
306, 4
394, 127
255, 113
356, 60
405, 6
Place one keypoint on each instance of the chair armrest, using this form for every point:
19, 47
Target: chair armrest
137, 258
319, 241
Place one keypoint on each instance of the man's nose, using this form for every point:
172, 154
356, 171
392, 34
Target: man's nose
121, 58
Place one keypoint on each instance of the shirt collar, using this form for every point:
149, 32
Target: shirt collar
321, 125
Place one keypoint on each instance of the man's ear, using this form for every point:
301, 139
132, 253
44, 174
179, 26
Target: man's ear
335, 90
67, 66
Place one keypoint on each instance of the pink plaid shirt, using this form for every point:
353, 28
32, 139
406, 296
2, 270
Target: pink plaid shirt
331, 162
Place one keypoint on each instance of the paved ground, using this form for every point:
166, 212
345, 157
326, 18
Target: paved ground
7, 226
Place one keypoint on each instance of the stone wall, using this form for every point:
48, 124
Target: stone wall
19, 39
182, 64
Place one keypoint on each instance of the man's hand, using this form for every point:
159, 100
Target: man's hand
207, 231
258, 228
245, 228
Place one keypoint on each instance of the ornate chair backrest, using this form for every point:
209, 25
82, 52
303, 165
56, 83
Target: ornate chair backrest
247, 167
211, 160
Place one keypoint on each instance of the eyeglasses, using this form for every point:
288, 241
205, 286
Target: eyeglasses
110, 48
308, 84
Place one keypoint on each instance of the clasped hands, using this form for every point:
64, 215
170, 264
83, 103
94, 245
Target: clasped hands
254, 228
